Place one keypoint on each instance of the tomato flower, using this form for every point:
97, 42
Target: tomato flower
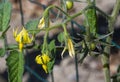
22, 38
41, 23
69, 47
43, 60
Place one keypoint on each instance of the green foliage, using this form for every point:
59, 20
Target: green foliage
15, 60
52, 46
5, 13
91, 20
50, 65
32, 26
15, 63
2, 52
61, 37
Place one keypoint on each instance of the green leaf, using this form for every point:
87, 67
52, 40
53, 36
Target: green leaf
32, 25
5, 14
15, 63
2, 52
91, 20
12, 46
52, 45
61, 37
1, 14
50, 65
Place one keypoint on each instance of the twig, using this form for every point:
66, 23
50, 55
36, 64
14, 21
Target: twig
21, 12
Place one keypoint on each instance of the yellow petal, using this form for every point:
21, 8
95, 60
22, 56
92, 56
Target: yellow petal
45, 58
41, 23
39, 60
71, 48
18, 38
63, 52
26, 38
45, 68
15, 32
23, 37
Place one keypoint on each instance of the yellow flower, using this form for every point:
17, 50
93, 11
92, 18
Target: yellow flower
41, 23
22, 38
70, 48
43, 60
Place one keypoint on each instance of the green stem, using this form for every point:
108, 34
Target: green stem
106, 69
65, 30
62, 11
5, 43
105, 57
21, 12
66, 21
45, 43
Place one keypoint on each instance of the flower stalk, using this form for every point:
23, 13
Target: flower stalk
68, 44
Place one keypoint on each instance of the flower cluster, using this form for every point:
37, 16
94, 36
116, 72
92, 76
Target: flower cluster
22, 37
43, 59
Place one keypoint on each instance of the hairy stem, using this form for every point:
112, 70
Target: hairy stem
105, 57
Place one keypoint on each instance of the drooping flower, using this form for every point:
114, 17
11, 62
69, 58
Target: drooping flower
41, 23
22, 37
69, 46
43, 60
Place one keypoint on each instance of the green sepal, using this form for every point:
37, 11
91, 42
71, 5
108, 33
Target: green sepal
60, 37
50, 65
52, 46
